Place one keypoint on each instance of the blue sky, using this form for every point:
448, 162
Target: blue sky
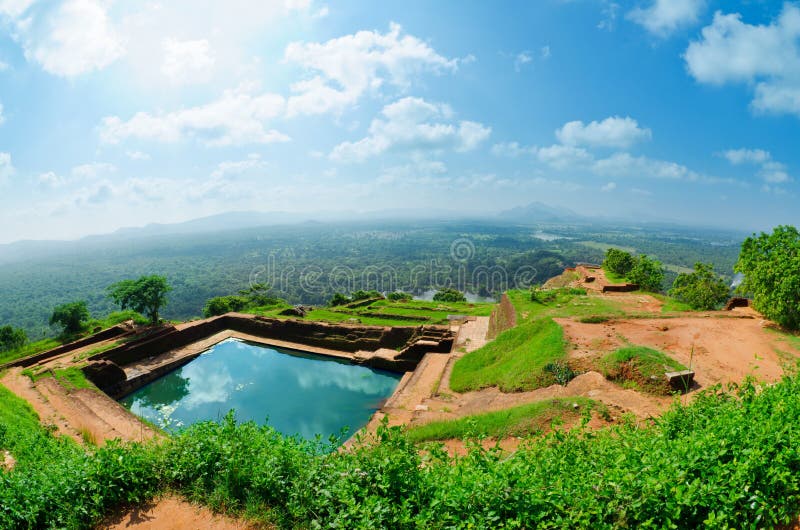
122, 113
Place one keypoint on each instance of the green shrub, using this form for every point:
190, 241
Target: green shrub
618, 261
647, 273
12, 338
771, 267
701, 289
449, 294
727, 460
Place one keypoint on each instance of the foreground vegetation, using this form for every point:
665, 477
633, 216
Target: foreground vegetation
727, 460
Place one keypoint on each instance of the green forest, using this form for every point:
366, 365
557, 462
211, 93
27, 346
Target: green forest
309, 263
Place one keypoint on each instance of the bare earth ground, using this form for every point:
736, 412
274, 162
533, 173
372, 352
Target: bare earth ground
171, 513
719, 348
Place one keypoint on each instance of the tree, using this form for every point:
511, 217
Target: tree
647, 273
619, 261
224, 304
771, 267
701, 289
338, 299
399, 296
147, 295
11, 338
448, 294
71, 316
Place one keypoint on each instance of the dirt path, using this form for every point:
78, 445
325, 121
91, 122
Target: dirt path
171, 513
48, 415
83, 415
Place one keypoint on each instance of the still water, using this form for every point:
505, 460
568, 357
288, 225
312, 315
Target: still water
298, 393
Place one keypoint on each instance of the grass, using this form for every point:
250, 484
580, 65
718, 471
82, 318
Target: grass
389, 313
640, 367
94, 351
524, 420
564, 305
31, 348
514, 361
613, 277
72, 378
671, 305
43, 345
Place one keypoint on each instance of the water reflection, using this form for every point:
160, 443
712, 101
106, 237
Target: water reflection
299, 393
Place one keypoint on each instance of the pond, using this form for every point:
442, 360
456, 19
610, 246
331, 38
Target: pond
297, 393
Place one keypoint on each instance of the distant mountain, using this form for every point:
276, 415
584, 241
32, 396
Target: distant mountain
211, 223
537, 212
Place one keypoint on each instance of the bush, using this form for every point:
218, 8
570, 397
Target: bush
224, 304
71, 317
12, 338
619, 261
728, 459
448, 294
701, 289
771, 267
399, 296
647, 273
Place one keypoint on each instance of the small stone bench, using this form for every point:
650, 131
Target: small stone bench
681, 381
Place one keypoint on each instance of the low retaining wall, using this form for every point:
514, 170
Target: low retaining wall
411, 344
110, 333
502, 318
620, 288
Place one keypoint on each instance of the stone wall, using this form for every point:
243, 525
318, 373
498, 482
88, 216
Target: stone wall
113, 332
503, 317
411, 340
620, 288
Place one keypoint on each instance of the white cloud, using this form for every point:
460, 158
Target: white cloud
14, 8
522, 59
774, 172
663, 17
2, 118
238, 117
413, 124
770, 170
610, 186
563, 156
67, 39
188, 61
611, 132
764, 56
6, 168
237, 167
345, 68
51, 179
3, 66
626, 165
137, 155
512, 149
93, 170
740, 156
641, 192
545, 52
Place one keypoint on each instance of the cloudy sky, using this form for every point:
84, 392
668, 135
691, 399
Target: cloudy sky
121, 113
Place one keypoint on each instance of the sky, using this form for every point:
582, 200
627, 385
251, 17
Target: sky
124, 113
